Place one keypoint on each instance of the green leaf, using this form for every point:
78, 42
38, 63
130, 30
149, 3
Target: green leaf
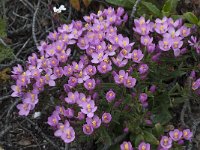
189, 16
124, 3
5, 53
150, 138
163, 116
158, 129
2, 28
169, 7
139, 139
152, 8
198, 23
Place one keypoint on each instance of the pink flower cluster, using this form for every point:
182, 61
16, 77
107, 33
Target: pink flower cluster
170, 35
101, 50
165, 142
176, 136
128, 146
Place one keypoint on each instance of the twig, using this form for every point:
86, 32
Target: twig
11, 108
116, 140
23, 47
70, 13
185, 106
5, 130
5, 97
2, 66
30, 132
2, 42
40, 132
66, 146
196, 123
34, 20
133, 13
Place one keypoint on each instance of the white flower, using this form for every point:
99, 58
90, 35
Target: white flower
60, 9
36, 114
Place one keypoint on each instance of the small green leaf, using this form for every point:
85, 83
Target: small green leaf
152, 8
198, 23
159, 130
2, 28
189, 16
139, 139
169, 7
150, 138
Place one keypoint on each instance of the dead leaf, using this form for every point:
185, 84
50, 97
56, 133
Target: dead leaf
24, 142
87, 2
75, 4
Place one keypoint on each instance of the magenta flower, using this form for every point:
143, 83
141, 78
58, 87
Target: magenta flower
129, 82
60, 46
95, 121
83, 43
137, 55
89, 108
88, 129
196, 84
110, 96
49, 79
187, 134
68, 70
72, 81
77, 66
53, 119
173, 23
125, 53
111, 50
165, 45
65, 28
31, 98
68, 135
121, 77
72, 97
60, 110
17, 70
53, 36
143, 29
24, 109
103, 67
140, 21
161, 27
16, 90
81, 116
90, 84
172, 33
106, 118
91, 70
143, 68
61, 128
144, 146
166, 142
58, 72
120, 61
143, 97
82, 76
98, 57
175, 135
146, 40
126, 146
69, 113
184, 31
177, 43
